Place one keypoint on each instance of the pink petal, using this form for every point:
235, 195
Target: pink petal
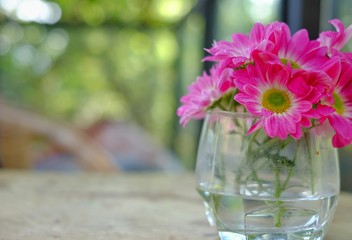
282, 131
341, 125
300, 38
253, 108
298, 134
244, 98
289, 124
258, 125
332, 67
298, 85
251, 90
270, 126
257, 33
325, 110
305, 122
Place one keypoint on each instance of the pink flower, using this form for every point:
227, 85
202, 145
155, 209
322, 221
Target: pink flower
297, 51
265, 92
274, 39
339, 113
287, 81
307, 84
203, 93
335, 41
238, 52
302, 52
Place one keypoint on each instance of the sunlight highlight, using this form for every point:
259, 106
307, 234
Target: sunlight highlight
32, 10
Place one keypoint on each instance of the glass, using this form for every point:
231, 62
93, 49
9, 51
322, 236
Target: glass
256, 187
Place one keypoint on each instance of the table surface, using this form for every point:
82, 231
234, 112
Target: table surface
159, 206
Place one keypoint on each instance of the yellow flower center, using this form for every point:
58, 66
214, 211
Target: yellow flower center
338, 104
293, 64
276, 100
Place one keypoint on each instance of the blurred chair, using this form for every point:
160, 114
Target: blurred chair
22, 132
132, 147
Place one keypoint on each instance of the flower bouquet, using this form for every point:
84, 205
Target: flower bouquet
276, 107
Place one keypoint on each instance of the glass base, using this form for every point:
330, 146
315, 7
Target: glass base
299, 235
239, 217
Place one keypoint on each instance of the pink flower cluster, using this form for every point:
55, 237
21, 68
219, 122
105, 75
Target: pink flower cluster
286, 80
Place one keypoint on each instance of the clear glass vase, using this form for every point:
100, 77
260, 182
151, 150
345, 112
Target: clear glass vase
256, 187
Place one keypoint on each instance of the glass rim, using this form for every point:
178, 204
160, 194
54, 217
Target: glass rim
230, 113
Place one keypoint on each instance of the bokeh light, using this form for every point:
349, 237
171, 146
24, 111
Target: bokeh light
83, 61
32, 10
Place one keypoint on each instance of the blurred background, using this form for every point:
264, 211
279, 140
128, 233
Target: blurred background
101, 78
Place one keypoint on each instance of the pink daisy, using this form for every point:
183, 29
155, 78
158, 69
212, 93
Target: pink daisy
238, 52
339, 113
275, 39
335, 41
203, 93
302, 52
297, 51
265, 92
285, 80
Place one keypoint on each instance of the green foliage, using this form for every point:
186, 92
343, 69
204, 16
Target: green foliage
126, 60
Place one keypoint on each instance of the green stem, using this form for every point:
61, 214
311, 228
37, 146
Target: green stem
310, 160
221, 107
290, 171
280, 214
278, 190
270, 148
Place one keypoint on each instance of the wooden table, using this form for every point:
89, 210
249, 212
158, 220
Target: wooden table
45, 206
